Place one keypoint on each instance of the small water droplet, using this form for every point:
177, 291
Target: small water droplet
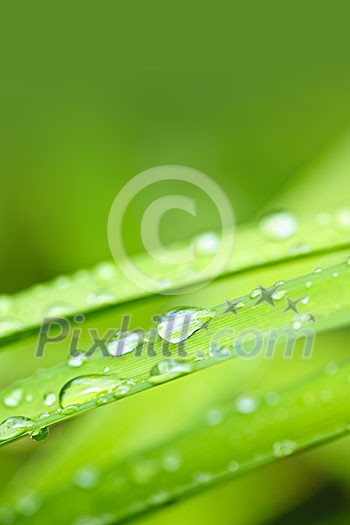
58, 310
279, 294
169, 369
284, 448
335, 275
9, 325
331, 369
77, 361
105, 271
220, 351
279, 226
255, 293
207, 243
306, 299
50, 399
299, 249
177, 325
86, 388
203, 477
272, 399
172, 461
87, 477
14, 398
14, 426
247, 404
100, 297
233, 466
214, 418
125, 342
308, 284
343, 219
40, 435
318, 270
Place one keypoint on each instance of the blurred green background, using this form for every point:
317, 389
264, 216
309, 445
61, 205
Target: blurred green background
93, 93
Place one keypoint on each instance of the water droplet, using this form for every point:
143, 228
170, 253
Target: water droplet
331, 369
172, 461
87, 477
299, 249
220, 351
214, 418
100, 297
207, 243
335, 275
58, 310
105, 271
9, 325
246, 404
169, 369
343, 219
308, 284
272, 399
40, 435
284, 448
50, 399
14, 426
306, 299
233, 466
255, 293
318, 270
279, 226
28, 505
77, 361
14, 398
125, 342
279, 294
177, 325
159, 497
203, 477
86, 388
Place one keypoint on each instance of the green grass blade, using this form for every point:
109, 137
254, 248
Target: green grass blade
327, 299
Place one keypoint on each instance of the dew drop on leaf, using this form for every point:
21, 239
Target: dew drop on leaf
40, 435
125, 342
284, 448
169, 369
86, 388
279, 226
247, 404
14, 398
49, 399
177, 325
14, 426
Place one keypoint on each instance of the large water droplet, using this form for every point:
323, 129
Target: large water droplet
279, 226
14, 398
177, 325
86, 388
284, 448
169, 369
124, 343
14, 426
